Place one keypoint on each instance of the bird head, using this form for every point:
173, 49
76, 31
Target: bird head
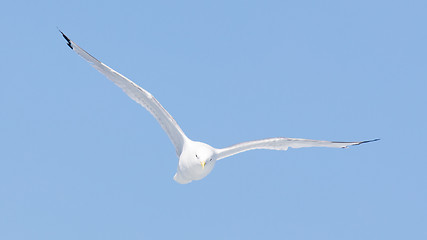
204, 155
204, 159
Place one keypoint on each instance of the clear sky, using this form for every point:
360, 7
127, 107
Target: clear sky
80, 160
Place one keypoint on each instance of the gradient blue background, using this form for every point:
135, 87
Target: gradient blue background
80, 160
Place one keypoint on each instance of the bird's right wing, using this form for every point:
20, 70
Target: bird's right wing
139, 95
281, 144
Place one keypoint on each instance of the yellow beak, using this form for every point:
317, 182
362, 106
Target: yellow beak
203, 164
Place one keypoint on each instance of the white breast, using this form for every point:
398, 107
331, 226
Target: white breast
189, 165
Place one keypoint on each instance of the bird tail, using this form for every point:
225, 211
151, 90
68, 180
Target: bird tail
179, 179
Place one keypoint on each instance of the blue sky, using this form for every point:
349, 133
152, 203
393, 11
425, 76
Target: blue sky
80, 160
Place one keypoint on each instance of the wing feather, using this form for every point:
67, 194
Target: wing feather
139, 95
282, 144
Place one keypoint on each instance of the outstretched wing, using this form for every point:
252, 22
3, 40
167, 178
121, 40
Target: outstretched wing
139, 95
282, 144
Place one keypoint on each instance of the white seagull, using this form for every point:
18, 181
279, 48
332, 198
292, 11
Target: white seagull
196, 159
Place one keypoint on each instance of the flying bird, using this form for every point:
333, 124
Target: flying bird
196, 159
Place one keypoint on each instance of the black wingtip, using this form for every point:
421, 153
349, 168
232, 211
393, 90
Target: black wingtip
368, 141
358, 143
66, 38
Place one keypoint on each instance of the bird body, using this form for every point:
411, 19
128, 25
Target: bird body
196, 159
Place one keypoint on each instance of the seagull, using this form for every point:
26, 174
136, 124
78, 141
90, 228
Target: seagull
196, 159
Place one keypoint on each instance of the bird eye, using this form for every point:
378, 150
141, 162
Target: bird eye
210, 159
197, 156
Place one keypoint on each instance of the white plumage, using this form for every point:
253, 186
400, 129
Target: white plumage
196, 159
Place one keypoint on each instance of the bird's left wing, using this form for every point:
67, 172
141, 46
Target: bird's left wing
139, 95
282, 144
